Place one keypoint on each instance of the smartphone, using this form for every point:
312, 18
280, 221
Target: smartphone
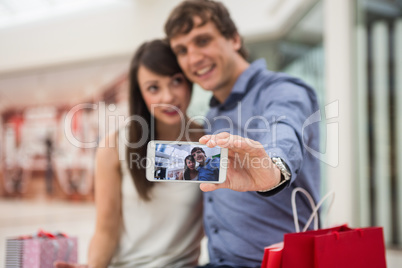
186, 162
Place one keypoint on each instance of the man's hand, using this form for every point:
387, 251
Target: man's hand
249, 167
60, 264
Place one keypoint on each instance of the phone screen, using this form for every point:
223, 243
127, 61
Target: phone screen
187, 162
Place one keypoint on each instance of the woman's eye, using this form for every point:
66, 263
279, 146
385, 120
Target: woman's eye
177, 81
152, 89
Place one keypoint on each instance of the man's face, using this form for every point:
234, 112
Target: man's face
199, 156
207, 57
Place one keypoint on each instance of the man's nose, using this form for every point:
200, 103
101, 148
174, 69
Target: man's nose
195, 56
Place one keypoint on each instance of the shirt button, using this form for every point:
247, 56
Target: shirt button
216, 230
210, 200
221, 260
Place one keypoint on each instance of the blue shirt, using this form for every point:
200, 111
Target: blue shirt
271, 108
210, 171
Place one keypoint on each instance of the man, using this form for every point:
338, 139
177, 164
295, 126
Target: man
208, 170
267, 135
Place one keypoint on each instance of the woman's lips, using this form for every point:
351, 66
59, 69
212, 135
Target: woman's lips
172, 111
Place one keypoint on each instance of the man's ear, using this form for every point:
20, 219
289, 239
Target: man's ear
237, 42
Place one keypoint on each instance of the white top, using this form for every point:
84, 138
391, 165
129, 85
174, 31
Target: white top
193, 179
164, 232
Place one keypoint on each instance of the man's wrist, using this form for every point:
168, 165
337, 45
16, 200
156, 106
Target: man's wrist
284, 178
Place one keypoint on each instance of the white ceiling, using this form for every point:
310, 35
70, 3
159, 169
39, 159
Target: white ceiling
14, 12
66, 51
65, 85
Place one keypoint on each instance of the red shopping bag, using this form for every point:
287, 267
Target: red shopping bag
335, 247
272, 256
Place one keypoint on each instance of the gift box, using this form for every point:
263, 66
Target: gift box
40, 250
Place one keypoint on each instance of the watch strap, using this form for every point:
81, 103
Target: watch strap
285, 178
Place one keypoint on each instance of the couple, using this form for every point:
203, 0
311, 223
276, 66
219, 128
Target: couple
208, 169
175, 176
144, 224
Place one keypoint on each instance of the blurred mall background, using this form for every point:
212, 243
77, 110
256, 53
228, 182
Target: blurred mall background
63, 87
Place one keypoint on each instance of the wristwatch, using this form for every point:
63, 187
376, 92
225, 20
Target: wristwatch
285, 177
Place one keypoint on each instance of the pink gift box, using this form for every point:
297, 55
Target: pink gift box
40, 251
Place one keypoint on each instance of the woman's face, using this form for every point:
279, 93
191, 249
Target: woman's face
167, 98
190, 164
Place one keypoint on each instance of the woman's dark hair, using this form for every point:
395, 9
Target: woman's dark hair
180, 20
186, 170
157, 57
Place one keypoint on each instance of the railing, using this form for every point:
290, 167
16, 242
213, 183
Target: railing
379, 119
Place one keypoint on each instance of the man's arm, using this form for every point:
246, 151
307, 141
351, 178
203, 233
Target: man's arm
215, 164
250, 167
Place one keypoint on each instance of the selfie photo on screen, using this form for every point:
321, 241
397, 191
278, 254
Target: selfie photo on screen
186, 162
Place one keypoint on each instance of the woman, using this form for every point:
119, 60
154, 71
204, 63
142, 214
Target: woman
139, 223
190, 172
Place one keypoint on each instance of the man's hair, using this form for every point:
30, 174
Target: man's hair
195, 149
180, 20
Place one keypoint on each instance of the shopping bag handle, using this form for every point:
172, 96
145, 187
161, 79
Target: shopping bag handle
314, 208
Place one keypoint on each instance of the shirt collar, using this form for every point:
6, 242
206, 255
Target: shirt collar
240, 87
206, 163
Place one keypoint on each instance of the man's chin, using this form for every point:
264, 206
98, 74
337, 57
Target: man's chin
208, 86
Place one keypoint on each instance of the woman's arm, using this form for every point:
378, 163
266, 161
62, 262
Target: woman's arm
180, 175
108, 205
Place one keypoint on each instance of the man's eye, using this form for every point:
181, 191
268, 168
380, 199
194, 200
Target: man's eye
180, 51
203, 41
